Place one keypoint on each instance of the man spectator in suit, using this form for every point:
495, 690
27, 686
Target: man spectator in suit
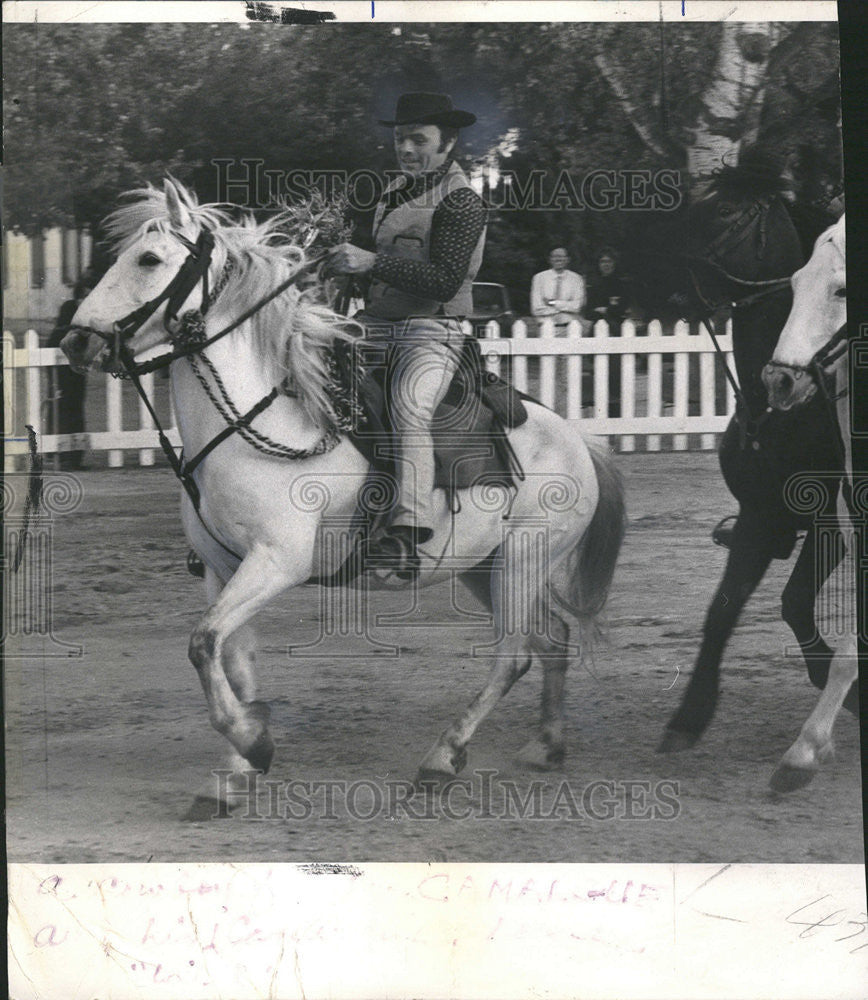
557, 294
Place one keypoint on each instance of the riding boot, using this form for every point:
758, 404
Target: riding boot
394, 551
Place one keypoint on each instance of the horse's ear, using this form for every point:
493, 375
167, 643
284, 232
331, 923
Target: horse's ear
178, 214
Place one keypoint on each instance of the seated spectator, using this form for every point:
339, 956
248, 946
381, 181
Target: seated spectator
609, 299
610, 295
557, 294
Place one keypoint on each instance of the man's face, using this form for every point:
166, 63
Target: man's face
607, 266
559, 259
417, 148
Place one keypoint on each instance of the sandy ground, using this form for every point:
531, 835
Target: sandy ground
106, 751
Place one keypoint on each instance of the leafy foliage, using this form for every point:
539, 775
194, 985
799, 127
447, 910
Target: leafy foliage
94, 110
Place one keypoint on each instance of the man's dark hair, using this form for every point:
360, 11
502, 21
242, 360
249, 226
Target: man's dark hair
446, 135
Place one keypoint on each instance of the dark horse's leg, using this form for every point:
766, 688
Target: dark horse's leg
750, 553
798, 602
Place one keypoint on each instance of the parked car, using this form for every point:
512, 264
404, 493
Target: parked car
491, 302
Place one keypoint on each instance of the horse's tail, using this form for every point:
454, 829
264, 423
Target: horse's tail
590, 566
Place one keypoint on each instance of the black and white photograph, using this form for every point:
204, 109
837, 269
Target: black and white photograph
428, 491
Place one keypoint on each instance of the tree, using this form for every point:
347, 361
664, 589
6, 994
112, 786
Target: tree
93, 111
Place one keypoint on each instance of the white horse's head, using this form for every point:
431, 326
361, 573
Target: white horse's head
154, 237
175, 256
819, 312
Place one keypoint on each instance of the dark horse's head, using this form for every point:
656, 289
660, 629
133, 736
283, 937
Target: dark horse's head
742, 242
735, 249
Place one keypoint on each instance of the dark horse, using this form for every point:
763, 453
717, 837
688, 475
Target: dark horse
744, 242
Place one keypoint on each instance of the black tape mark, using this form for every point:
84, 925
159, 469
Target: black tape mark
328, 868
270, 13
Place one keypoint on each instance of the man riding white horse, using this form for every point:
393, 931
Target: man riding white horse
429, 233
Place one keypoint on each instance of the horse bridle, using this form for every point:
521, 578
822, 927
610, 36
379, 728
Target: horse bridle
818, 367
188, 336
724, 242
188, 339
193, 270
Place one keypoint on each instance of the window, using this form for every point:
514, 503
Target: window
37, 260
69, 256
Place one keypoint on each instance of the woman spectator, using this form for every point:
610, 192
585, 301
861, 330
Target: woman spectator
609, 299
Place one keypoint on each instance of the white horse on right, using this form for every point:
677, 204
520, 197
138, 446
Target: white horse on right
812, 352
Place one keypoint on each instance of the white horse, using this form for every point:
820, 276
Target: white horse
267, 493
813, 341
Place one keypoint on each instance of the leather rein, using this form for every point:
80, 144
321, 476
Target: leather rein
732, 237
188, 339
820, 364
817, 368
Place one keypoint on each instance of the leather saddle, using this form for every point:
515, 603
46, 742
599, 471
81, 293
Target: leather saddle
469, 427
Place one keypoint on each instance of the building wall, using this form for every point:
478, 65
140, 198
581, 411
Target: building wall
31, 301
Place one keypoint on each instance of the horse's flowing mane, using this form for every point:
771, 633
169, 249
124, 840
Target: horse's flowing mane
294, 332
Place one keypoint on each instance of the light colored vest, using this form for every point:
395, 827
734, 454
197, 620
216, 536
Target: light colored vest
406, 232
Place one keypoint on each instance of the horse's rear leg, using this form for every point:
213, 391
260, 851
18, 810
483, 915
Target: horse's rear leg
553, 651
547, 751
514, 595
229, 692
748, 560
449, 754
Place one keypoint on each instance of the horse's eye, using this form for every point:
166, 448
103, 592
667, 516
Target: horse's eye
149, 260
840, 293
725, 208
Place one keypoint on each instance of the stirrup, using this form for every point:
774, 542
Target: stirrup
195, 566
394, 551
722, 533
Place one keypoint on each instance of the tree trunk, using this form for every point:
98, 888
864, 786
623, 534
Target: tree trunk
732, 102
638, 117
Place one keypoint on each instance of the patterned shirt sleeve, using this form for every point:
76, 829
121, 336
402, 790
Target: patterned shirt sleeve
456, 226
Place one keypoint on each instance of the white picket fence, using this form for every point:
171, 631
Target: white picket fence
657, 392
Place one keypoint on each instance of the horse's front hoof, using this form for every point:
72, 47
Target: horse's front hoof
260, 753
442, 762
542, 756
432, 783
204, 808
677, 741
787, 778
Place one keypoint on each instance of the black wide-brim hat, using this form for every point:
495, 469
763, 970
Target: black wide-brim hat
429, 109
